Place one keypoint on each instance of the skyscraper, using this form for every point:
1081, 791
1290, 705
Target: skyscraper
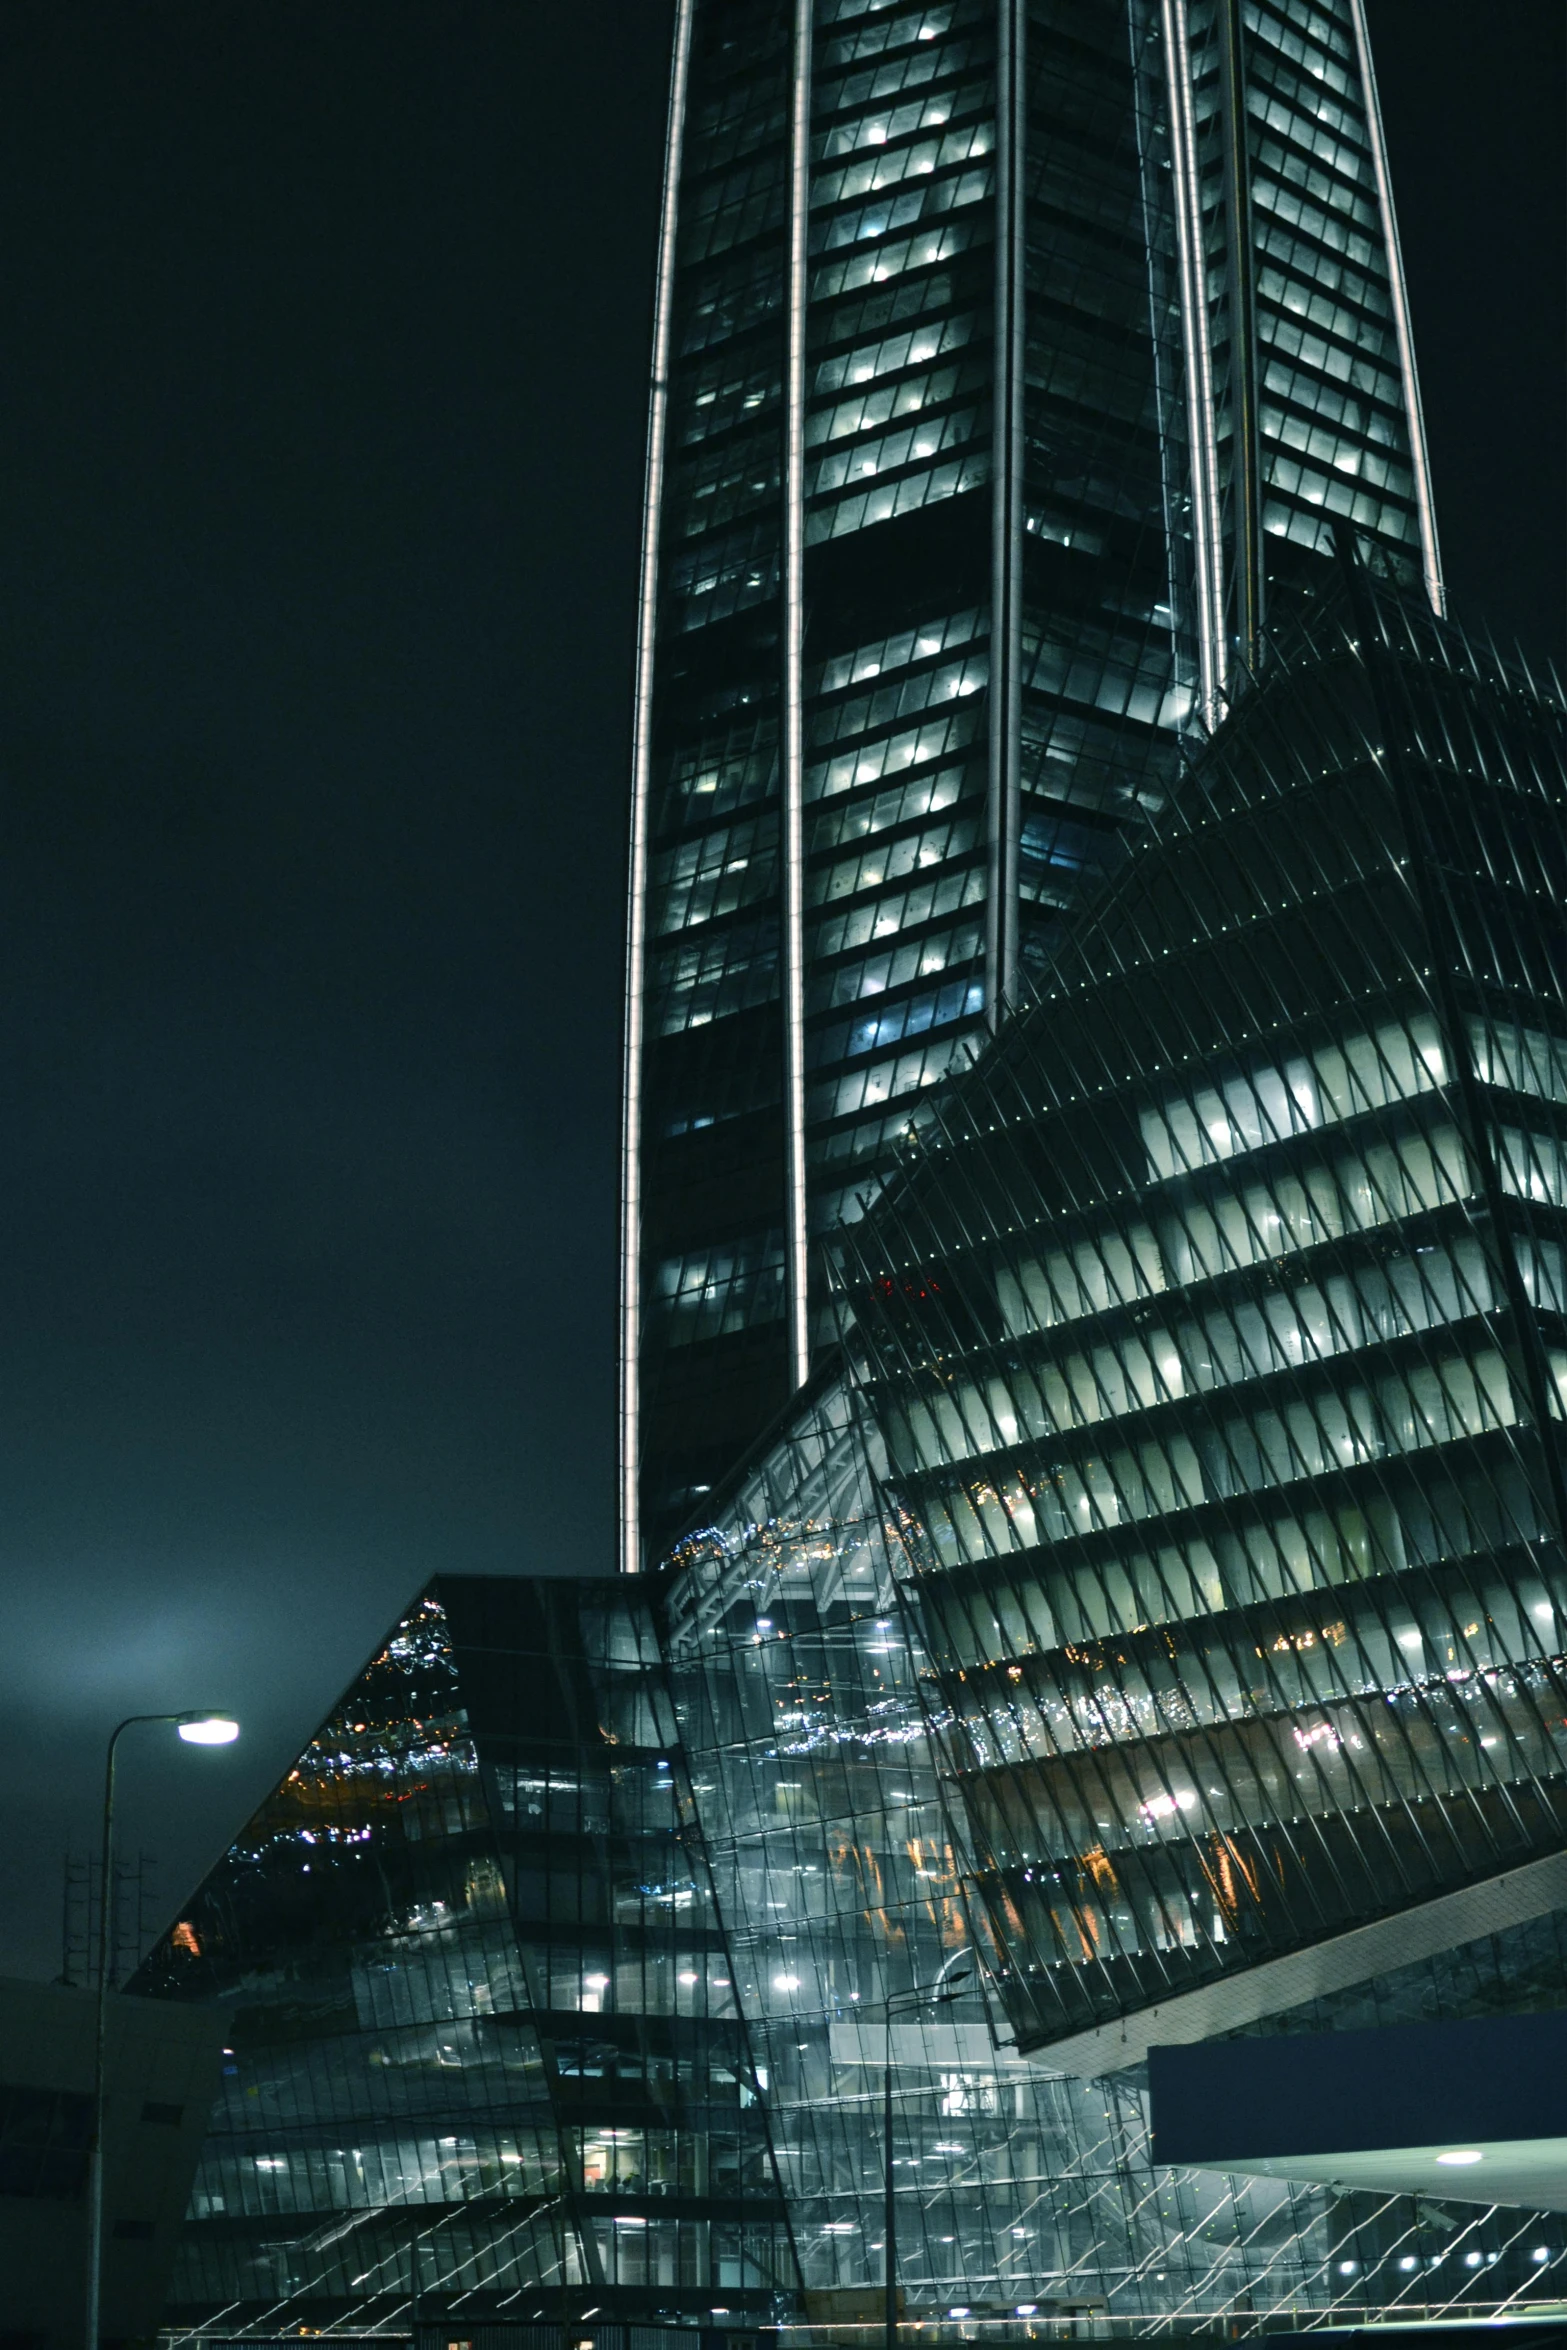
1003, 350
1146, 1623
1161, 1615
1152, 1630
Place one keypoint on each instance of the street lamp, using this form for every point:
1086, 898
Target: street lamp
196, 1729
935, 1994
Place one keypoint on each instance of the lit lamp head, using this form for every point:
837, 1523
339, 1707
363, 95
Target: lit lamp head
208, 1729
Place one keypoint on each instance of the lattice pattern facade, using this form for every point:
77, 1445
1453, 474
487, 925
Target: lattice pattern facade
1003, 350
842, 1880
1219, 1354
1171, 1577
486, 2049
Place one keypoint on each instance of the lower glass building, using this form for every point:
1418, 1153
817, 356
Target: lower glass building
1147, 1629
485, 2050
803, 1696
844, 1860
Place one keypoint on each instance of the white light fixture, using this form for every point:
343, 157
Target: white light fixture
1461, 2156
208, 1729
786, 1982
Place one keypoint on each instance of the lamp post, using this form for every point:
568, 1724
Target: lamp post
197, 1729
935, 1994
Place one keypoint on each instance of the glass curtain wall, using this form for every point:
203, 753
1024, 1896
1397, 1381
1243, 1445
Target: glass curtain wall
1218, 1347
1108, 659
1316, 414
486, 2052
1005, 349
815, 1736
705, 1075
1168, 1579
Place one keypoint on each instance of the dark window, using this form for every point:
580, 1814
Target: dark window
172, 2114
43, 2141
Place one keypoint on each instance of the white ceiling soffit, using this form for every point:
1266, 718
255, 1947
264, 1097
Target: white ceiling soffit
1255, 1992
1528, 2172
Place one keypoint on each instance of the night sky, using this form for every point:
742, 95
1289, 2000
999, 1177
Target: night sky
322, 362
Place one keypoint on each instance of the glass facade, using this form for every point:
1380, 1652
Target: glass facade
1004, 349
1149, 1628
1167, 1588
1218, 1348
802, 1692
486, 2054
1132, 1435
842, 1864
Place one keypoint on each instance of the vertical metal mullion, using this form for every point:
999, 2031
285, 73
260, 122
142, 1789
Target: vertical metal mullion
793, 779
1431, 560
1202, 431
641, 783
1006, 527
1245, 449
